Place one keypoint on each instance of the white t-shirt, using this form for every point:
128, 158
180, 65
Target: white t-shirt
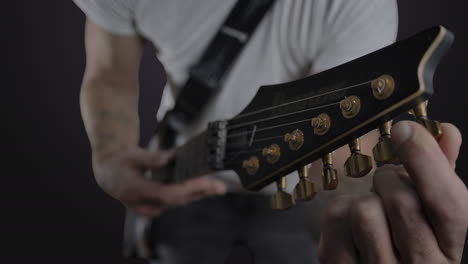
296, 38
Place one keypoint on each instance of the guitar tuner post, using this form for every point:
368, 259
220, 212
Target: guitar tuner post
350, 106
329, 174
384, 152
433, 126
321, 124
357, 165
272, 153
383, 87
295, 139
251, 165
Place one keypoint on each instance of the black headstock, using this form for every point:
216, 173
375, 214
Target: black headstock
274, 135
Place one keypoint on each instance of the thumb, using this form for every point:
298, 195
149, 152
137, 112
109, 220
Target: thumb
150, 159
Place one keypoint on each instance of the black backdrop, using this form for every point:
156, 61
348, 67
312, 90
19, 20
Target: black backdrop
54, 211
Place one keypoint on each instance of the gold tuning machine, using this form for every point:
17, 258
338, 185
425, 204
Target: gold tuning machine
384, 152
329, 174
295, 139
282, 200
420, 113
305, 190
357, 165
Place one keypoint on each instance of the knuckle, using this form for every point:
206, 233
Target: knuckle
403, 202
363, 209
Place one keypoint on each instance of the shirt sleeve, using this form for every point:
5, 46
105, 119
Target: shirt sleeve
352, 29
115, 16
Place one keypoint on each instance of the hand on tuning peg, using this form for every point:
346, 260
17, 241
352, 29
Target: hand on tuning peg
357, 165
282, 200
417, 211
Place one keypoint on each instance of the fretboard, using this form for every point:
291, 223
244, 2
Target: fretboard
191, 160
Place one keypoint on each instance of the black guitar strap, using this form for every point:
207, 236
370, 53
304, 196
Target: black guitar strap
206, 76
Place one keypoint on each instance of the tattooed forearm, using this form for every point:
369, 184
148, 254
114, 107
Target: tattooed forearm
110, 116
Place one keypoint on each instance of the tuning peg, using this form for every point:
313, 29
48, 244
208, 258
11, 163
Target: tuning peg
358, 164
433, 126
282, 200
329, 174
305, 190
384, 151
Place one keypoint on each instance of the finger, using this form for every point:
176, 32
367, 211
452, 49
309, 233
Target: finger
149, 159
412, 234
147, 210
336, 243
193, 189
441, 191
180, 193
371, 233
450, 142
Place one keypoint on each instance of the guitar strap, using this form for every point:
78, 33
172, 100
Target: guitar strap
205, 79
206, 76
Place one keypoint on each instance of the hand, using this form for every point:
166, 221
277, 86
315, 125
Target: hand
416, 214
121, 176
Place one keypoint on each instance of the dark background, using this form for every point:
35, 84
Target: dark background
54, 211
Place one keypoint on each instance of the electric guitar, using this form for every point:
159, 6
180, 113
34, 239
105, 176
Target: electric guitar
287, 126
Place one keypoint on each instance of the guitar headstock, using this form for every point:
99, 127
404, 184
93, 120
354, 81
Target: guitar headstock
288, 126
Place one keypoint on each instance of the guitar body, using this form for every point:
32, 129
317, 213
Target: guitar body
289, 125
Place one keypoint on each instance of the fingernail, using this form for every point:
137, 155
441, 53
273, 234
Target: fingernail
401, 132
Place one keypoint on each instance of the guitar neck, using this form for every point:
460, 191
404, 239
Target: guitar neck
191, 160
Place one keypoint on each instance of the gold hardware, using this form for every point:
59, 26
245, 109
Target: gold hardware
251, 165
321, 124
357, 165
350, 106
384, 151
329, 174
272, 153
305, 190
383, 87
433, 126
282, 200
295, 139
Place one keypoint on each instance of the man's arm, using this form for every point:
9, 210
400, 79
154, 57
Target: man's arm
109, 106
109, 92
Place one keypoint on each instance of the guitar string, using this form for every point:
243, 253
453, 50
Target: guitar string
265, 139
275, 117
235, 154
297, 101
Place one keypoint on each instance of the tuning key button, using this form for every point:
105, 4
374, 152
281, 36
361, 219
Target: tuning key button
282, 200
383, 87
295, 139
305, 190
321, 124
350, 106
272, 153
329, 174
420, 113
357, 165
384, 152
251, 165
